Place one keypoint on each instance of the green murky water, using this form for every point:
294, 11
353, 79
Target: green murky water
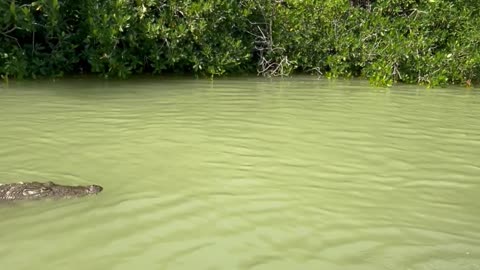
242, 174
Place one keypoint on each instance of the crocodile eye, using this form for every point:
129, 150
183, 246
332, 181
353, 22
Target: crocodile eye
31, 192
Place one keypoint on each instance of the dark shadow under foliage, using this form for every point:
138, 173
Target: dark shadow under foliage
385, 41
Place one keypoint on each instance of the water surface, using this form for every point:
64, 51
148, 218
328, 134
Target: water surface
242, 174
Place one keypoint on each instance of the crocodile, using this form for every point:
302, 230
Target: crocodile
44, 190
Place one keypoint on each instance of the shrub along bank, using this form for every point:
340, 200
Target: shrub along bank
432, 42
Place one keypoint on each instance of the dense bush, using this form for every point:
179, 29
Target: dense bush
432, 42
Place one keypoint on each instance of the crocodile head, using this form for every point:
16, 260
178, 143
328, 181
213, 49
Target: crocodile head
53, 190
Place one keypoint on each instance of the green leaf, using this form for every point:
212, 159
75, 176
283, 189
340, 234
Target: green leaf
13, 10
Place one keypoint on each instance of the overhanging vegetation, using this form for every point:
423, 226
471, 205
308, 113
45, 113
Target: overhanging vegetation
432, 42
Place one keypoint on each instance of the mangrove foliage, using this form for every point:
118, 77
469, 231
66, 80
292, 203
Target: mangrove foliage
432, 42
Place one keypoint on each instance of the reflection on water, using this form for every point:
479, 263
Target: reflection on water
242, 174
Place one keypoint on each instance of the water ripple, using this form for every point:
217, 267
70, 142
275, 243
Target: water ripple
243, 174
